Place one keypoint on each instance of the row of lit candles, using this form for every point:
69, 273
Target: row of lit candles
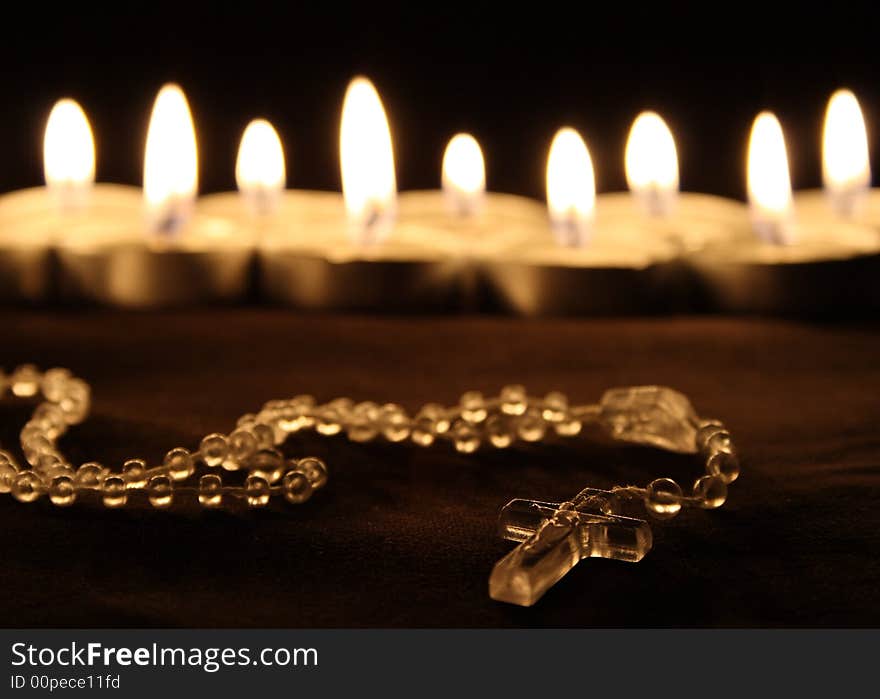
368, 172
588, 231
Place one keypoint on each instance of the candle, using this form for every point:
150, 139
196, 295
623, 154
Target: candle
33, 220
794, 263
687, 220
159, 250
846, 170
463, 218
587, 260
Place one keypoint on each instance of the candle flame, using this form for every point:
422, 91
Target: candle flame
170, 163
259, 169
846, 170
768, 181
464, 176
68, 155
652, 164
367, 162
571, 188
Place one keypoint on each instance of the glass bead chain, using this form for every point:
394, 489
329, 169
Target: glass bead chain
252, 446
637, 415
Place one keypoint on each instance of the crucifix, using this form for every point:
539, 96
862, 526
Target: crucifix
554, 537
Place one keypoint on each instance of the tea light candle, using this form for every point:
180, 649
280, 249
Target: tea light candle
846, 169
802, 264
688, 220
463, 218
159, 250
33, 220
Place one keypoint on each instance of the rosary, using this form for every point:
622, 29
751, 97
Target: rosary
551, 537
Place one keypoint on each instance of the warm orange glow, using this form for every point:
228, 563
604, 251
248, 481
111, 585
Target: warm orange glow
69, 155
464, 175
652, 164
259, 169
571, 188
846, 170
367, 161
170, 162
769, 182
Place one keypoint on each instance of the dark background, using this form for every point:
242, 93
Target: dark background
509, 73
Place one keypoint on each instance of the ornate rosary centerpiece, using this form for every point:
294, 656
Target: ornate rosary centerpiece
552, 537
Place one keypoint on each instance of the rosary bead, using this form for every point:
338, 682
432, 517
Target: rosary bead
62, 491
50, 419
265, 435
62, 469
55, 382
26, 487
499, 431
210, 490
256, 491
296, 414
36, 447
30, 430
297, 488
465, 437
719, 442
555, 406
430, 421
134, 471
76, 401
288, 418
663, 498
160, 491
531, 426
711, 491
328, 420
394, 422
214, 450
89, 475
247, 420
706, 430
568, 425
47, 463
8, 474
362, 422
268, 464
423, 431
179, 463
473, 406
514, 400
723, 464
273, 407
438, 414
114, 493
25, 381
278, 434
242, 445
313, 469
341, 408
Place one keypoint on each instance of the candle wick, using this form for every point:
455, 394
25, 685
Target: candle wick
371, 223
847, 201
571, 231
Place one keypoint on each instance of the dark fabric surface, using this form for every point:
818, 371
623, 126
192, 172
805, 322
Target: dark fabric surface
404, 536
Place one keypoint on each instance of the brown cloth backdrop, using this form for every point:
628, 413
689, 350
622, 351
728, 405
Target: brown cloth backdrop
404, 536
